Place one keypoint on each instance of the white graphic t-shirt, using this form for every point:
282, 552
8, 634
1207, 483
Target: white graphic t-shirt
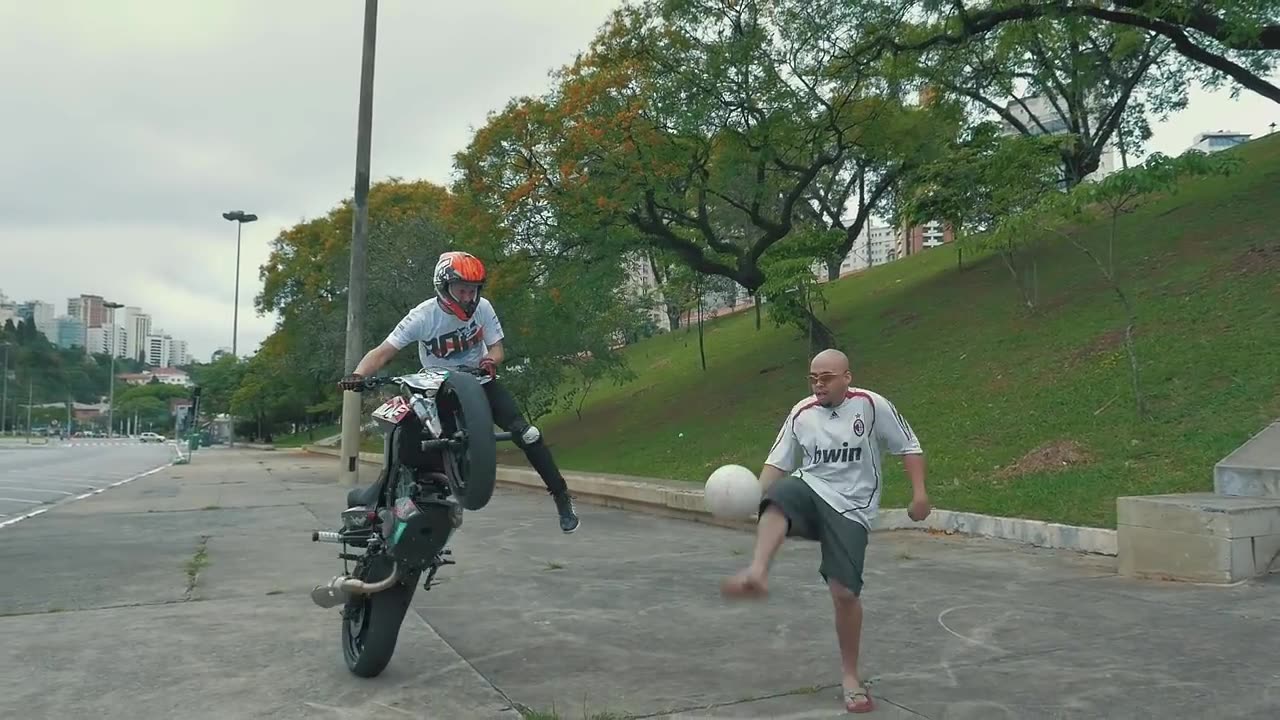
837, 451
444, 339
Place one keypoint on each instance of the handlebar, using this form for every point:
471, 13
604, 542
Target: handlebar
376, 381
439, 443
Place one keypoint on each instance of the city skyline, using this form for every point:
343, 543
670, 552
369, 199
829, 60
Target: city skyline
127, 333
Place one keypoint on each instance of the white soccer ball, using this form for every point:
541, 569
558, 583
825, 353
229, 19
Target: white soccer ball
733, 492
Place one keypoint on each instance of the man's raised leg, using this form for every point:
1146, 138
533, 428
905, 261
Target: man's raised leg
753, 582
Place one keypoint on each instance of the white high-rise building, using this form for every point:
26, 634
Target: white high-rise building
159, 349
105, 340
137, 326
43, 316
178, 354
881, 249
1211, 142
641, 282
1041, 117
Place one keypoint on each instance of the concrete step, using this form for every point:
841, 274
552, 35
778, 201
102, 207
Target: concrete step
1253, 470
1197, 537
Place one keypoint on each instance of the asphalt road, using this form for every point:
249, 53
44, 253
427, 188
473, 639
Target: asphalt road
186, 594
36, 477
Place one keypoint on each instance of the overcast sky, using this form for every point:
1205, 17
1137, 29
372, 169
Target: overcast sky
131, 125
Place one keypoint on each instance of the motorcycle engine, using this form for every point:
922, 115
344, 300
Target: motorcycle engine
420, 529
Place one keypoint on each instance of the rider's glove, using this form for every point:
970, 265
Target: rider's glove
354, 381
489, 366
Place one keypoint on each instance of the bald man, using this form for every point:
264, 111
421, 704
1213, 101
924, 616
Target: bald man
822, 482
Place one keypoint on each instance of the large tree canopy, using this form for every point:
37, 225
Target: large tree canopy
1233, 40
700, 131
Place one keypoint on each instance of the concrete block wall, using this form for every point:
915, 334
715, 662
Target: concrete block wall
1197, 537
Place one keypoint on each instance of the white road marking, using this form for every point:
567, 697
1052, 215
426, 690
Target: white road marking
29, 502
33, 513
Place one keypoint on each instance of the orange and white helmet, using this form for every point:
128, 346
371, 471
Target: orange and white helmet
460, 268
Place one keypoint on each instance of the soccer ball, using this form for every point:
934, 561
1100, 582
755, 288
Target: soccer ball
732, 491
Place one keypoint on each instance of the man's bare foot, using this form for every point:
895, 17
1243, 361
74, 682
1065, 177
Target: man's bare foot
749, 583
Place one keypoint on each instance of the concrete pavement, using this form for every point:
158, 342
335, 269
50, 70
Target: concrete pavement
36, 476
185, 593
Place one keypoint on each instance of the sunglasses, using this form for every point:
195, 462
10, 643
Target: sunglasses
822, 378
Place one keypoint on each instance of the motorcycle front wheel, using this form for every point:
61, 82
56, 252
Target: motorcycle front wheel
473, 471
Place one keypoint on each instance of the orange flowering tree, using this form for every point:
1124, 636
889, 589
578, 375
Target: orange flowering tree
694, 130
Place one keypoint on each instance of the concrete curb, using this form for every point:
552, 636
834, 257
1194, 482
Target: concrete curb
684, 501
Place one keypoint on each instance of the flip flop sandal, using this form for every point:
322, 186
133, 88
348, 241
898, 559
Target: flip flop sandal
858, 701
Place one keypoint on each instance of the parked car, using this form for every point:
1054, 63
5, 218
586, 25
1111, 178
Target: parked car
151, 437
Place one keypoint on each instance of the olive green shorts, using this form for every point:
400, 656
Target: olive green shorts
842, 539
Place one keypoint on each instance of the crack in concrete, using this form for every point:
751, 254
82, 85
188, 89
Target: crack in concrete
121, 606
199, 560
512, 704
206, 508
904, 708
728, 703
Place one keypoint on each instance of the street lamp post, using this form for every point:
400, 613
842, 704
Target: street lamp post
239, 217
111, 394
4, 403
31, 394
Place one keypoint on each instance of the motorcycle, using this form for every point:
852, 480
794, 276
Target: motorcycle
439, 460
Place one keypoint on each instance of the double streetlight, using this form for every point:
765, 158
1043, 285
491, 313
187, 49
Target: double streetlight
239, 217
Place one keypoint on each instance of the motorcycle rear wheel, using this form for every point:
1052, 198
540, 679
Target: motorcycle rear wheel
371, 623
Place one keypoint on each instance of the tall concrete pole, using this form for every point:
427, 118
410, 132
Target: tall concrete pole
356, 288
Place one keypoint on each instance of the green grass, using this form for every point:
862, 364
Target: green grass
306, 437
984, 382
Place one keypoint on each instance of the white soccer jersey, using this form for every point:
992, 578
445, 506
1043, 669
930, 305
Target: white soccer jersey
836, 451
444, 339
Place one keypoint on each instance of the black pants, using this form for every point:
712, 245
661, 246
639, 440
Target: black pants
506, 414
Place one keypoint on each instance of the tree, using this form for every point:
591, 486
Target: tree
1118, 194
1227, 39
149, 402
1085, 79
218, 381
691, 129
982, 180
564, 329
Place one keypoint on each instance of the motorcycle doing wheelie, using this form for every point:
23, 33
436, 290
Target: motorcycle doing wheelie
439, 459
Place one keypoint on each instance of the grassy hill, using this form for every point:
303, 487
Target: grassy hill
999, 397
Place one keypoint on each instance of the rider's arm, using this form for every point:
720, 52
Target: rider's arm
496, 352
408, 330
373, 360
492, 329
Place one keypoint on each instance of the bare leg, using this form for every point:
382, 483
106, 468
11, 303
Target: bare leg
848, 611
752, 582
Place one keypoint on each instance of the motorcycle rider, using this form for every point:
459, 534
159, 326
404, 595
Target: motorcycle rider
459, 327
